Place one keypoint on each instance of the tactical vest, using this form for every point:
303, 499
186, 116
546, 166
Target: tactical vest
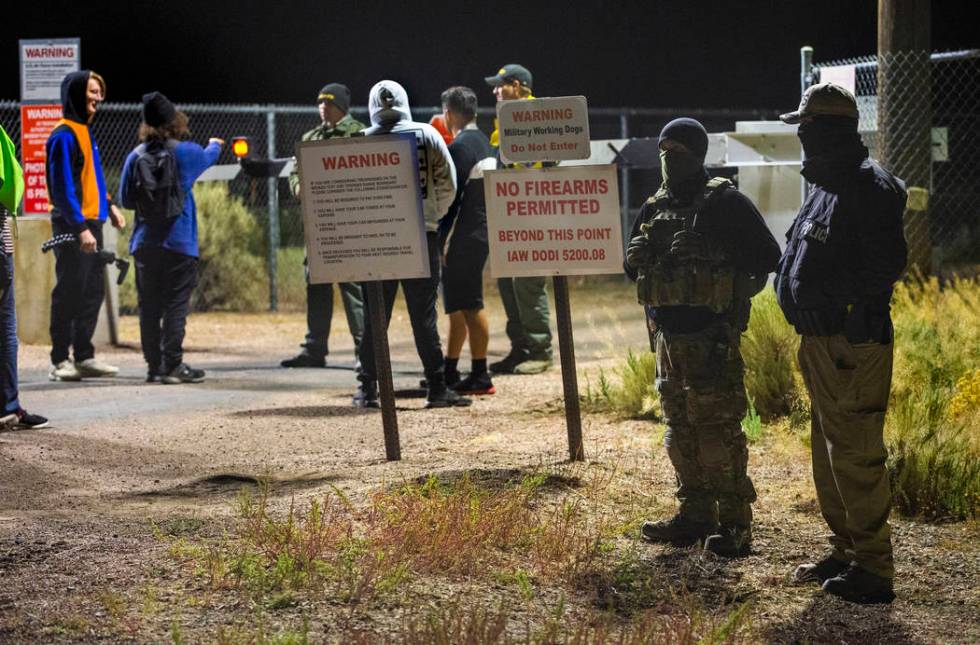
668, 282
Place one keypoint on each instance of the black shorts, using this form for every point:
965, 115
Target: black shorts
462, 277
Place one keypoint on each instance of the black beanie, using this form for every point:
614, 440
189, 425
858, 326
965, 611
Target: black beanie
337, 94
689, 132
157, 110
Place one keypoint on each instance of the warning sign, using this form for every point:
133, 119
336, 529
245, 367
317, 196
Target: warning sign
552, 129
362, 209
36, 124
43, 63
554, 221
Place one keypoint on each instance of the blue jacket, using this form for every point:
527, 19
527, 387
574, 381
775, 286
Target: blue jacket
844, 252
76, 186
180, 234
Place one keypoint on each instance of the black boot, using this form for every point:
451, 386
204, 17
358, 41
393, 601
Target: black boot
367, 395
678, 530
730, 542
820, 571
861, 586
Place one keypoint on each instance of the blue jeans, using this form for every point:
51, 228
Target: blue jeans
8, 344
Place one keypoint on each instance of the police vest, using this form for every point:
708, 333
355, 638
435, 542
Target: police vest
668, 282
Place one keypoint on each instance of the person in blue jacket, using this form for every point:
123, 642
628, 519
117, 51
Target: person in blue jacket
166, 251
80, 205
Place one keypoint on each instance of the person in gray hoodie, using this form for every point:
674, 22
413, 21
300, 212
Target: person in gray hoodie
390, 114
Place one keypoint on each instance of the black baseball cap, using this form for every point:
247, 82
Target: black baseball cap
337, 94
823, 99
508, 73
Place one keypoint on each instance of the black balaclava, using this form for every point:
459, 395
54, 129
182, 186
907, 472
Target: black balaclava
74, 88
831, 147
683, 172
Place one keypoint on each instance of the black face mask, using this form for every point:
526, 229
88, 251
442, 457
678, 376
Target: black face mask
829, 136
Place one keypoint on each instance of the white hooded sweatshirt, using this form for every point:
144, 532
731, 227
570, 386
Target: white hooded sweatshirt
390, 114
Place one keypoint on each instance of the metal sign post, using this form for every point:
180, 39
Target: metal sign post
382, 361
569, 378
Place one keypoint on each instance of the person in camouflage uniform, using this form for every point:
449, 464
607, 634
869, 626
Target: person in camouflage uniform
334, 103
699, 250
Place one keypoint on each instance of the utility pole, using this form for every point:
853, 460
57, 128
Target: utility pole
904, 144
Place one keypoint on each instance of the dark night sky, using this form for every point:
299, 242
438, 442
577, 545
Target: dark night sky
641, 54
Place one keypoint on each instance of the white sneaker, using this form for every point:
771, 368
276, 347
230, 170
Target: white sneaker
64, 371
93, 367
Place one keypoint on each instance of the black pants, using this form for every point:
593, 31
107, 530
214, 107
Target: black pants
420, 298
77, 297
164, 282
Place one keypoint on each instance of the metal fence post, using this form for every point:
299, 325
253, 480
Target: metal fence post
273, 201
806, 80
624, 133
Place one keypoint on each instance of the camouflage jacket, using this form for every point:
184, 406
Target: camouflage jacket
343, 128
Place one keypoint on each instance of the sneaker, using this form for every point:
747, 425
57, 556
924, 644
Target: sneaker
92, 367
532, 366
452, 378
860, 586
64, 371
821, 571
304, 359
730, 542
475, 384
509, 362
7, 421
152, 377
28, 421
183, 373
678, 530
367, 396
446, 398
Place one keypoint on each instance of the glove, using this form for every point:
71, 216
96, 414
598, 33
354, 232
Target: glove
689, 245
640, 252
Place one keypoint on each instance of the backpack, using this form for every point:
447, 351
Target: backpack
154, 183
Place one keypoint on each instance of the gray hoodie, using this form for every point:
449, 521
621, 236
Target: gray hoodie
390, 114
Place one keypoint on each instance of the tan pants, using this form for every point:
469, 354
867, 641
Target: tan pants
849, 387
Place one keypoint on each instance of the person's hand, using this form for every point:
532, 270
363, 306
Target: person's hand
640, 252
220, 142
116, 217
690, 245
87, 241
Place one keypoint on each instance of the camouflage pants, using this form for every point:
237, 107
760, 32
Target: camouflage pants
699, 377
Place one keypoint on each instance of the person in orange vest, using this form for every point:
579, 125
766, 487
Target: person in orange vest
80, 205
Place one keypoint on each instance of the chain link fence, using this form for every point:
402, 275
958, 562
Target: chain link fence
274, 129
919, 115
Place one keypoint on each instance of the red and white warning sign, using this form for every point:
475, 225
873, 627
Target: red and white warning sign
36, 123
548, 129
554, 221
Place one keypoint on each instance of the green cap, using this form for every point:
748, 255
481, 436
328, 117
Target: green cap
823, 99
508, 73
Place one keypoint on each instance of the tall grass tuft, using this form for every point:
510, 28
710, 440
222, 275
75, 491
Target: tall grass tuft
629, 392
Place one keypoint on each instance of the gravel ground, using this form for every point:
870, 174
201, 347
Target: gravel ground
79, 560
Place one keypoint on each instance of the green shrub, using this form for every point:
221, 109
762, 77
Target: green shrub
934, 451
233, 272
769, 349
